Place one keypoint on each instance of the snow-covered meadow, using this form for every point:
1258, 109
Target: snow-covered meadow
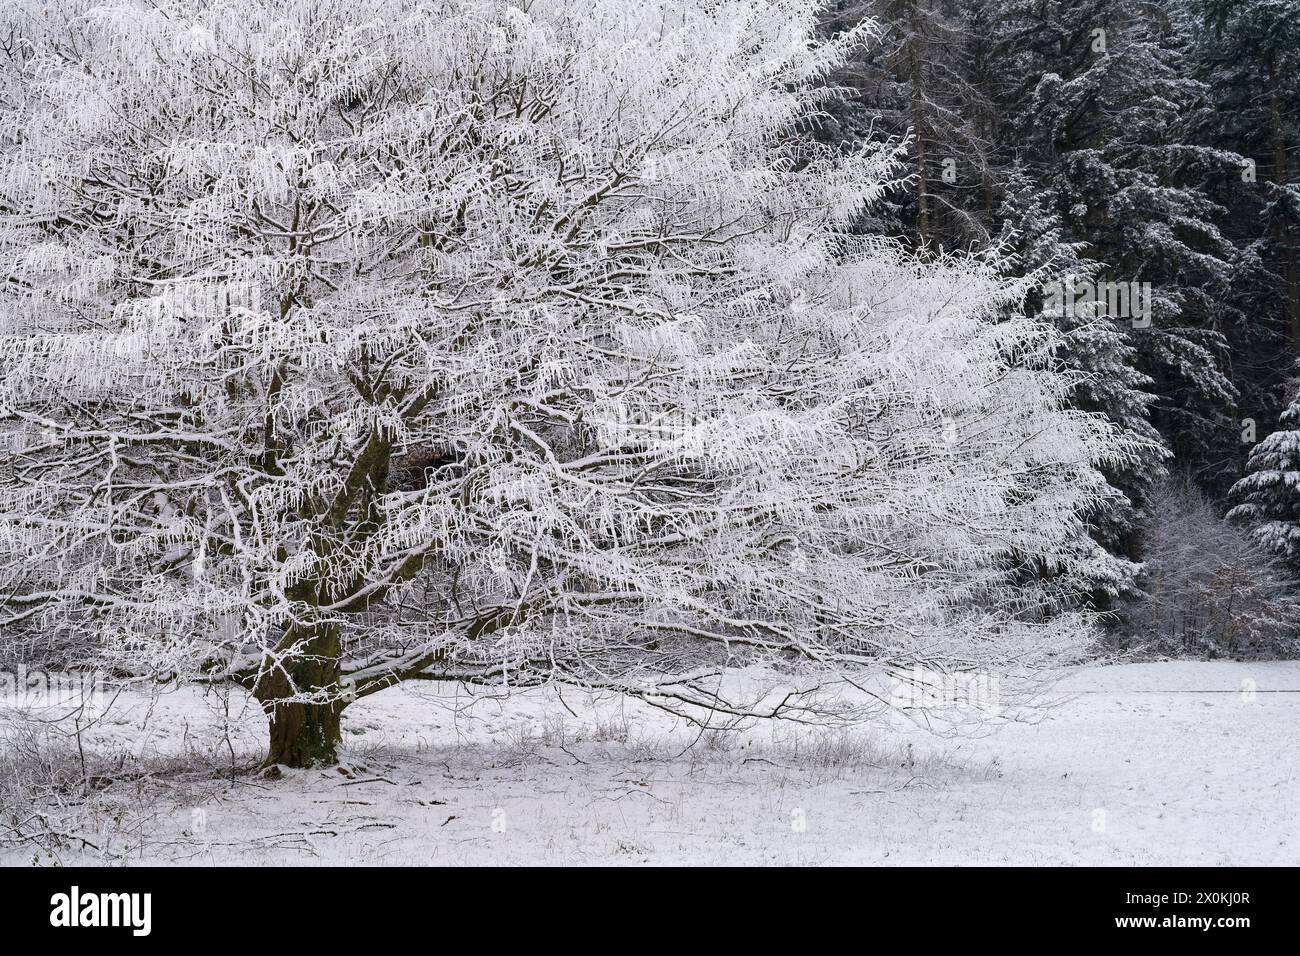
1160, 763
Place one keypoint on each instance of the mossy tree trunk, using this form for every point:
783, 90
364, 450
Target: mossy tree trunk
303, 699
304, 734
299, 688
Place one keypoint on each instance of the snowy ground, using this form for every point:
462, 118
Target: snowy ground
1169, 763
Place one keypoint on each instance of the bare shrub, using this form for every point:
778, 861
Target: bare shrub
1207, 589
64, 801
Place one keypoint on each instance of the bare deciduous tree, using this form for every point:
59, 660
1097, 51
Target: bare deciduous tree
347, 343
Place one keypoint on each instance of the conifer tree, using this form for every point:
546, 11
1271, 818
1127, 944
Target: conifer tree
1269, 494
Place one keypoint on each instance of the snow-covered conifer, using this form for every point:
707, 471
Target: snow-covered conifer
1269, 494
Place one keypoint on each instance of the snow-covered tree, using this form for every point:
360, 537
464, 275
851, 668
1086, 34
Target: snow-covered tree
1098, 349
923, 80
1269, 494
1207, 588
348, 343
1249, 51
1248, 54
1099, 99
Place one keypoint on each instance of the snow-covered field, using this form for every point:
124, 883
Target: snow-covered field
1168, 763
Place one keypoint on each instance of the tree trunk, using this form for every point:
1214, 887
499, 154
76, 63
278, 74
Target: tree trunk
304, 735
304, 732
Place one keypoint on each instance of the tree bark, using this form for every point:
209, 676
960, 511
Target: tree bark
304, 732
